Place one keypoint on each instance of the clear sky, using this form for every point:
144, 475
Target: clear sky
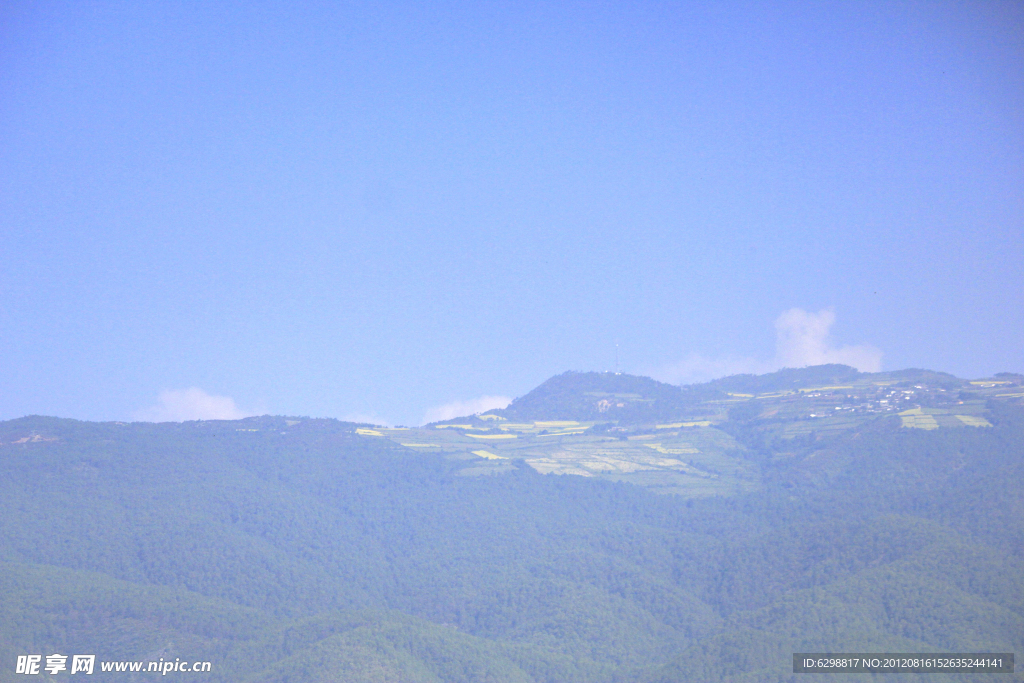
375, 209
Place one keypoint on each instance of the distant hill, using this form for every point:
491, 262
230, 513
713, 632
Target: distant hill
632, 399
787, 379
594, 396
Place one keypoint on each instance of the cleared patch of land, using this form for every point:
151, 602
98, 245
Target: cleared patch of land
973, 421
689, 449
915, 419
487, 455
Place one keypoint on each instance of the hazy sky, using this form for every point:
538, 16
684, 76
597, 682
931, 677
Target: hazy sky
375, 209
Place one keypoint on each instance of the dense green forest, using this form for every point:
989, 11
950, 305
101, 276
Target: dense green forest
296, 549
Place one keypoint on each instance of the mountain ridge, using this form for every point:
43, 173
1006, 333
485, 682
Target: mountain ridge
589, 396
876, 515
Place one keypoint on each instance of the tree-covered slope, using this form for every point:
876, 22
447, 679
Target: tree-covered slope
296, 549
599, 396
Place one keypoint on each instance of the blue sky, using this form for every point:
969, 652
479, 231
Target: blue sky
377, 209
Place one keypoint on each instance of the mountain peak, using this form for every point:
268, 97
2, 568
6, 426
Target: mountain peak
597, 396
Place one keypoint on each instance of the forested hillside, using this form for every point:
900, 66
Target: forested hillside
295, 549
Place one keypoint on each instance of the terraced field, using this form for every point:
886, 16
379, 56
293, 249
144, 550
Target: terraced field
696, 459
933, 418
692, 453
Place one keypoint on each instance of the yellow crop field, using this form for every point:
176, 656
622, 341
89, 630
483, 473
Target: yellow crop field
489, 455
974, 421
740, 395
492, 436
368, 432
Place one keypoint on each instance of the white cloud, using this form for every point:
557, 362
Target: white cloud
463, 408
801, 339
190, 404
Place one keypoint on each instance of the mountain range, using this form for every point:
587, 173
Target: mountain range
602, 528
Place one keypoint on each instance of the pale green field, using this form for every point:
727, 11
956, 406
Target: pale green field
919, 421
934, 418
973, 421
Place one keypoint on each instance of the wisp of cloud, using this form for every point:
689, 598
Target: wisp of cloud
462, 408
190, 404
801, 339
